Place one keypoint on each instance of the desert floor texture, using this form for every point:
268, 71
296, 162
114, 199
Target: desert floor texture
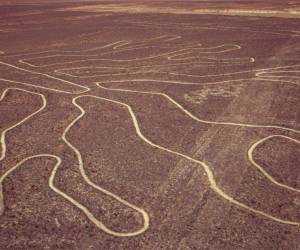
162, 125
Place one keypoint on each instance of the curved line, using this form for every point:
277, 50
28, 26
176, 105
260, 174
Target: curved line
261, 169
63, 70
90, 216
190, 51
260, 74
250, 151
114, 46
91, 183
85, 210
193, 116
257, 72
3, 134
205, 167
97, 59
170, 56
64, 51
37, 86
46, 75
222, 28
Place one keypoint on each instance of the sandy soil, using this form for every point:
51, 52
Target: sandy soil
208, 8
145, 129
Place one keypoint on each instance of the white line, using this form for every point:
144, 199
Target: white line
4, 132
261, 169
170, 55
89, 215
189, 26
193, 116
186, 53
84, 209
45, 75
204, 166
113, 45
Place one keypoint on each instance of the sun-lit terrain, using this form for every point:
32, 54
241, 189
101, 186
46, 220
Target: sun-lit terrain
137, 125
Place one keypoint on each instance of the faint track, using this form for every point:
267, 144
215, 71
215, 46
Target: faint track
4, 132
177, 54
203, 165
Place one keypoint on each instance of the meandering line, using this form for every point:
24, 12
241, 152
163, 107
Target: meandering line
89, 215
204, 166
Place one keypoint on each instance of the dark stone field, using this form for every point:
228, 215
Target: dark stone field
150, 125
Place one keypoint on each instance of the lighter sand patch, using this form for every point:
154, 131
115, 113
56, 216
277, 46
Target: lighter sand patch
270, 74
142, 8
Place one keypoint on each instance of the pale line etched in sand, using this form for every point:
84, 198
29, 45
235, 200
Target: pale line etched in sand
63, 71
81, 207
263, 74
64, 51
204, 166
91, 183
261, 169
293, 33
258, 73
45, 75
89, 215
270, 74
193, 116
170, 55
208, 171
210, 174
103, 75
7, 31
93, 59
212, 61
133, 71
176, 82
4, 132
25, 61
112, 45
36, 86
213, 184
206, 50
149, 69
190, 26
143, 8
219, 123
251, 59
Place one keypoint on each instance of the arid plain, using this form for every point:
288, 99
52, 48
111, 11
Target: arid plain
130, 125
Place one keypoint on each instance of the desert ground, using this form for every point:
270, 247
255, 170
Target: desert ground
162, 125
